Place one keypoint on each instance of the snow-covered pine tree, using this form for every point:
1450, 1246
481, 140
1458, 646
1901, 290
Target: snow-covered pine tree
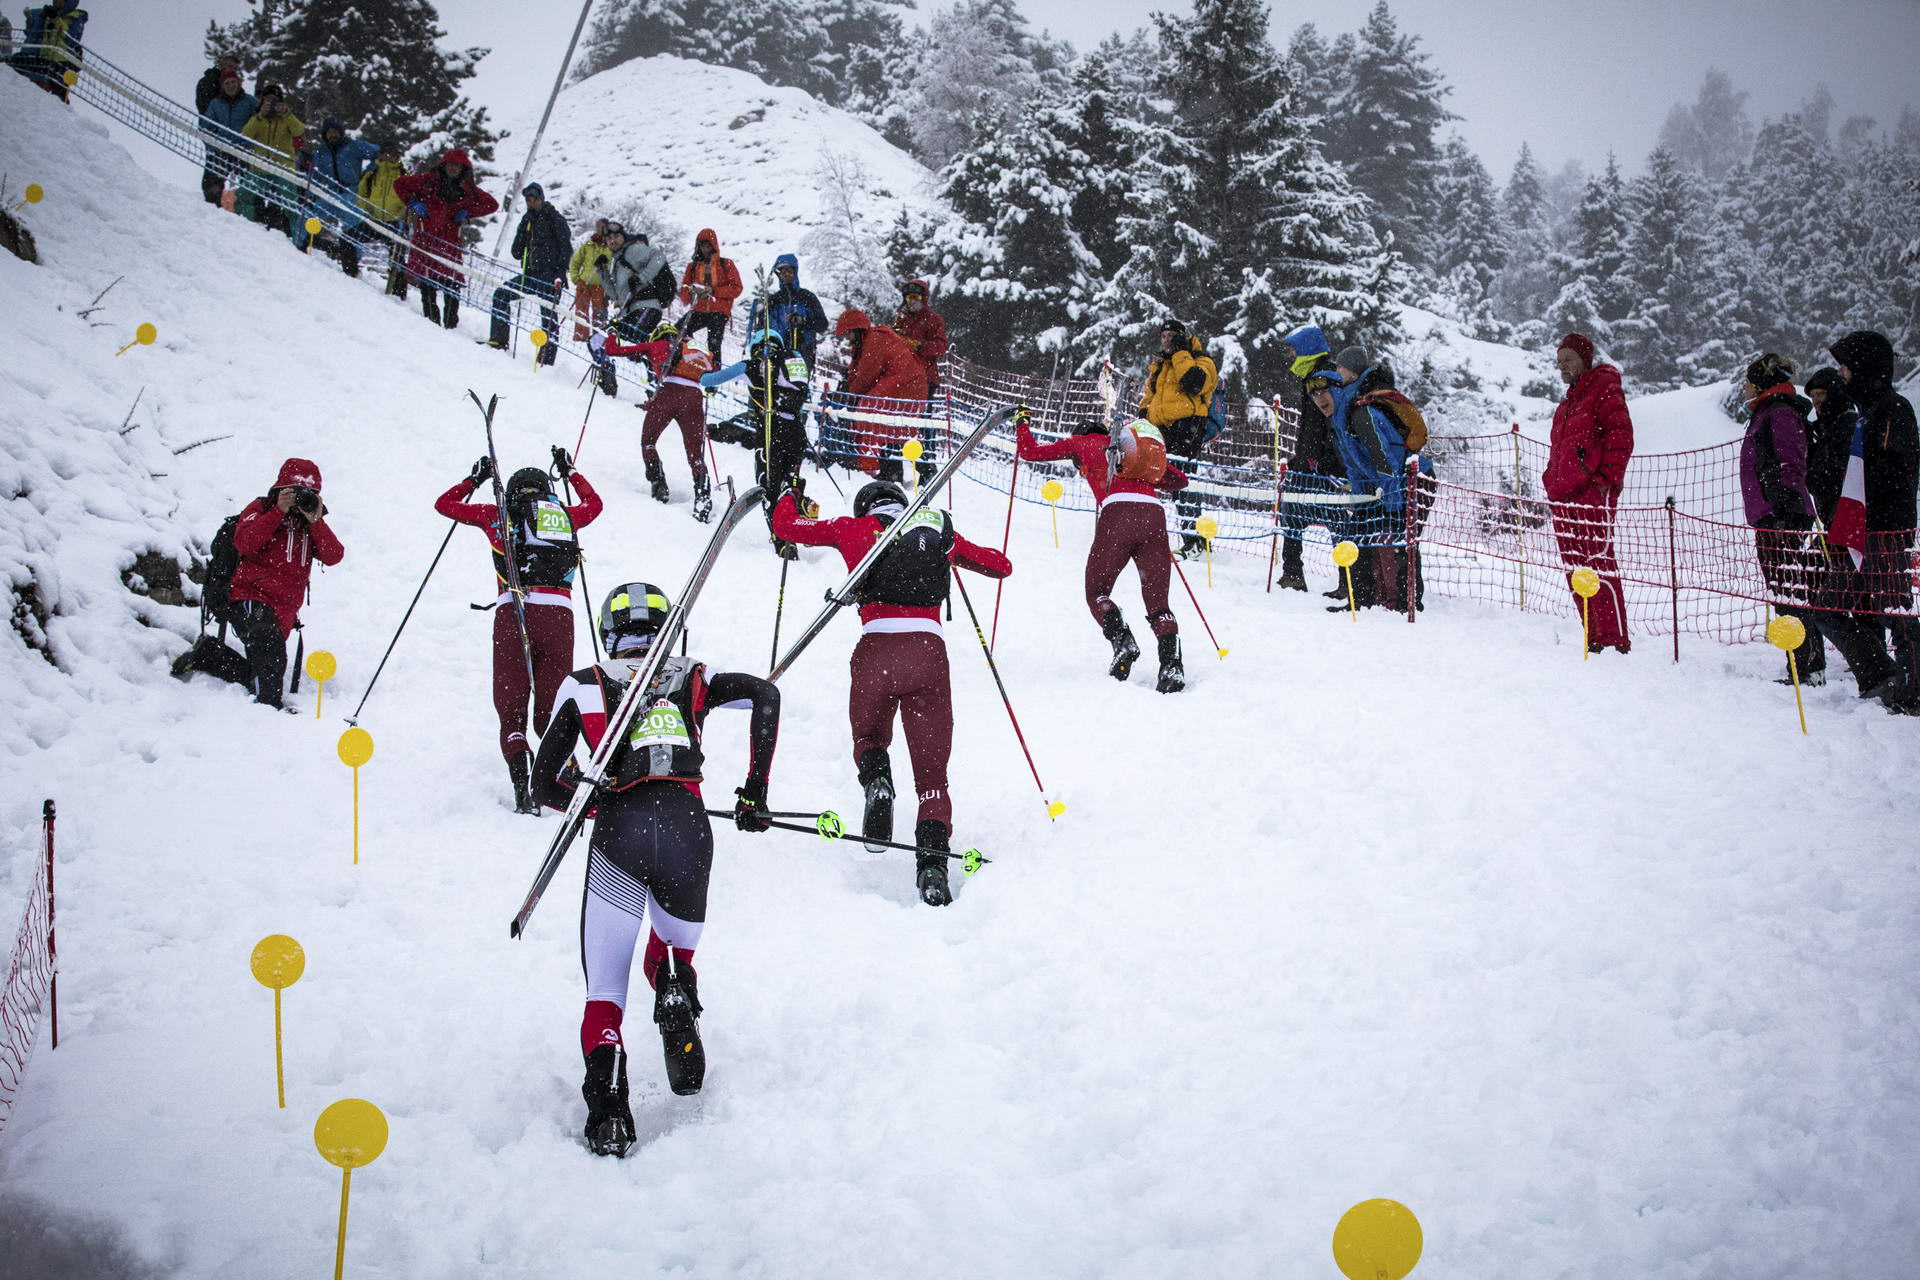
1382, 128
1470, 236
1714, 134
377, 64
1673, 334
1320, 69
1591, 269
1790, 205
978, 65
1525, 286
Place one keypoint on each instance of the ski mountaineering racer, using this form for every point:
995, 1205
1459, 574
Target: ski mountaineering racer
677, 398
900, 662
651, 852
778, 377
542, 532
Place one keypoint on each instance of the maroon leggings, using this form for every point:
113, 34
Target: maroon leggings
685, 405
906, 671
1135, 531
550, 632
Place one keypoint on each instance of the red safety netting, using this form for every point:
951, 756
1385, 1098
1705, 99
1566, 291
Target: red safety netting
30, 975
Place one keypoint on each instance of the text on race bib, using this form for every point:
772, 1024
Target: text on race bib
551, 523
661, 726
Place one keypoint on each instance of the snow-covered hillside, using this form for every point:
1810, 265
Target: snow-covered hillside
1600, 967
707, 146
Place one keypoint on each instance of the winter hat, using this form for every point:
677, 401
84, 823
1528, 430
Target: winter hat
1353, 359
1867, 354
1580, 344
1770, 371
1829, 381
298, 473
851, 321
1171, 325
534, 190
331, 123
912, 287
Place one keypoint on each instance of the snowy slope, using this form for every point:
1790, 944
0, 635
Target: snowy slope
710, 146
1602, 968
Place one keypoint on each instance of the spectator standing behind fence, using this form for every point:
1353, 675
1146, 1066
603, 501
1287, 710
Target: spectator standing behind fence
543, 246
383, 206
1374, 454
58, 27
639, 286
1397, 430
270, 196
1829, 440
442, 199
1592, 443
921, 327
886, 379
797, 316
1180, 383
212, 79
1883, 582
586, 270
225, 117
710, 283
1312, 467
1773, 490
335, 164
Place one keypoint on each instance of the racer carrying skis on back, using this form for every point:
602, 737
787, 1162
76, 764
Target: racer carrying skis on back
677, 398
542, 532
778, 378
652, 841
900, 662
1132, 526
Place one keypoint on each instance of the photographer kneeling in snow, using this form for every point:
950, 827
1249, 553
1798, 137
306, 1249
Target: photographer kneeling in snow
274, 543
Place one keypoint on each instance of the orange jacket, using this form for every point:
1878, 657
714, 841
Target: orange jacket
718, 274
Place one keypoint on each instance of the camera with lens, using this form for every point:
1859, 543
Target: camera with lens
307, 500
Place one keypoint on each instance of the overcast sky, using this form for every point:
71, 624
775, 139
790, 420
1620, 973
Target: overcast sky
1575, 80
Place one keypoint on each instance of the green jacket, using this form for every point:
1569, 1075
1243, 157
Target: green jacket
587, 261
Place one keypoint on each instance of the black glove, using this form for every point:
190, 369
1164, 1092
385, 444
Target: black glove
561, 462
481, 473
1193, 381
750, 809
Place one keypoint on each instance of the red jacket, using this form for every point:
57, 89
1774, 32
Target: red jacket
854, 536
717, 273
886, 368
926, 333
1592, 439
694, 362
277, 549
1089, 454
438, 233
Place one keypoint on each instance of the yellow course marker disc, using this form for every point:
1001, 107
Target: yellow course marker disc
1585, 582
1786, 633
1377, 1240
1052, 490
356, 747
1345, 553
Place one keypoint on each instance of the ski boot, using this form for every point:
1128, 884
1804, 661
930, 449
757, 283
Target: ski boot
876, 775
1293, 576
1192, 546
520, 769
609, 1130
657, 479
676, 1010
702, 499
1125, 647
1173, 676
931, 867
450, 311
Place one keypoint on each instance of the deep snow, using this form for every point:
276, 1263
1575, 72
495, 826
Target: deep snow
1600, 967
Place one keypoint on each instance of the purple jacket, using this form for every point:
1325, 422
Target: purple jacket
1773, 463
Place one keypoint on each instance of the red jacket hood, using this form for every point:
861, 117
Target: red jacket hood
706, 233
850, 321
298, 472
456, 155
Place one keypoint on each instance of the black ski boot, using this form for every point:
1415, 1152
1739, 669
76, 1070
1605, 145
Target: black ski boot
657, 478
702, 499
609, 1129
1125, 647
876, 775
450, 311
430, 303
1293, 574
520, 769
1192, 546
931, 867
676, 1010
1173, 676
609, 380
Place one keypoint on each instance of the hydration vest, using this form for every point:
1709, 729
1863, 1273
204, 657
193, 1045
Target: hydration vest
1142, 452
663, 742
548, 553
790, 384
913, 570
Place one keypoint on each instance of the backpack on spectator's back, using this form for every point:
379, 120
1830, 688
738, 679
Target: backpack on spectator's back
1405, 413
223, 559
1216, 417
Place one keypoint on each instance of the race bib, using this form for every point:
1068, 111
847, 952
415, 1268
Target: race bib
796, 369
551, 523
925, 518
661, 726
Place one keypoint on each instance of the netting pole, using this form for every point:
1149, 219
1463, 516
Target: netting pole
1279, 491
1519, 521
1673, 578
53, 956
1411, 574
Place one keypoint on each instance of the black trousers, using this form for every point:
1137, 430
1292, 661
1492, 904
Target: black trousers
524, 284
263, 670
713, 323
1183, 443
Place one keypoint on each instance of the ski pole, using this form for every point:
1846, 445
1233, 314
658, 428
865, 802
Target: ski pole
1006, 537
779, 607
581, 438
1054, 807
580, 557
828, 826
1196, 605
355, 717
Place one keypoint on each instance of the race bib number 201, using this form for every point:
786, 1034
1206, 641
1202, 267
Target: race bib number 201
551, 524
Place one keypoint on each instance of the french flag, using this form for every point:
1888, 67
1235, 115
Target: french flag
1850, 515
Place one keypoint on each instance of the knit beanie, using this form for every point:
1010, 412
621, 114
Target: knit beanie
1581, 345
1353, 359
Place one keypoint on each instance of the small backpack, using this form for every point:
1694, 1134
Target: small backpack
1143, 452
913, 570
663, 286
1405, 414
1216, 417
223, 558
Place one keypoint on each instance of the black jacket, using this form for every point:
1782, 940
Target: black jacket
543, 243
1313, 445
1891, 444
1829, 444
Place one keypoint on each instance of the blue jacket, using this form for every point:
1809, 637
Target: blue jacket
798, 317
61, 17
225, 119
1370, 447
336, 171
1307, 340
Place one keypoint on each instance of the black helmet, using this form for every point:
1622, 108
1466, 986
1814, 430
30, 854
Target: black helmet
632, 617
878, 493
1092, 427
528, 484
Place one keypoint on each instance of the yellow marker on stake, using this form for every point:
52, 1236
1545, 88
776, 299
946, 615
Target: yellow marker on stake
1585, 584
1344, 555
350, 1133
33, 194
1208, 528
320, 669
1051, 491
911, 451
278, 962
143, 336
539, 339
1377, 1240
356, 748
1788, 634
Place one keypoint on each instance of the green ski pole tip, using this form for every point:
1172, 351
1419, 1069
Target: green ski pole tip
829, 826
971, 862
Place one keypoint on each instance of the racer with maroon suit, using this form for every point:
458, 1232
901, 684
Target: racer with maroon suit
900, 662
651, 852
677, 398
544, 535
1131, 526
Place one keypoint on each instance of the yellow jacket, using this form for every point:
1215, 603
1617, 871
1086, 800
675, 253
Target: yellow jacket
377, 196
587, 261
281, 134
1163, 403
